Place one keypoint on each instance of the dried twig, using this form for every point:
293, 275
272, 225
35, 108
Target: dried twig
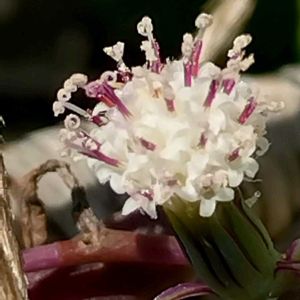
33, 214
12, 280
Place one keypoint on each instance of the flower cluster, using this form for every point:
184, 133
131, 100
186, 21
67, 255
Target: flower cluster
178, 128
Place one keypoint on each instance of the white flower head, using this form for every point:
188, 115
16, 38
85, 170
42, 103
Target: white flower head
175, 129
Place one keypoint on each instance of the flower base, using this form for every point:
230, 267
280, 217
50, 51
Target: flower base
230, 251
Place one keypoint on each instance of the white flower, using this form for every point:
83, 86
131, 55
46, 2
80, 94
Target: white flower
178, 129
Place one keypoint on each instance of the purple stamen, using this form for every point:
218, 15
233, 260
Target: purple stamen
234, 155
108, 91
93, 153
247, 112
93, 89
97, 120
228, 85
188, 73
105, 93
156, 66
124, 76
212, 92
170, 104
100, 156
196, 58
148, 145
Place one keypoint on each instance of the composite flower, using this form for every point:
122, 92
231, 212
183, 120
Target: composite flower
181, 128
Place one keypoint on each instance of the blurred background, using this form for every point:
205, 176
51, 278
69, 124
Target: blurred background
44, 41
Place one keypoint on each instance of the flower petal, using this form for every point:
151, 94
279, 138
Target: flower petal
207, 207
130, 206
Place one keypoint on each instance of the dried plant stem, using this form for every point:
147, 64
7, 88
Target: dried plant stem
12, 279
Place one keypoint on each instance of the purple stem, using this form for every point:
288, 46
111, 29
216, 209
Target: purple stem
184, 290
117, 246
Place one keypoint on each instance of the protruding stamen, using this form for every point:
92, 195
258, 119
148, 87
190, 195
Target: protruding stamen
100, 156
157, 64
148, 145
187, 47
239, 44
76, 109
83, 144
104, 92
212, 92
115, 52
247, 112
228, 85
145, 27
203, 21
196, 58
188, 74
108, 91
147, 47
151, 47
